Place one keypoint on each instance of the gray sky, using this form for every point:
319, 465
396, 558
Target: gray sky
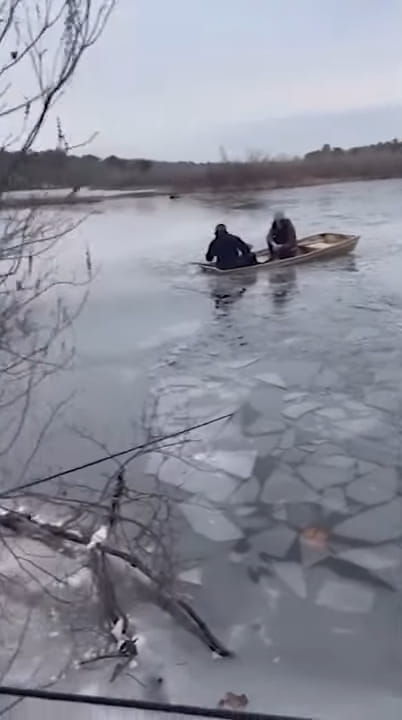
176, 79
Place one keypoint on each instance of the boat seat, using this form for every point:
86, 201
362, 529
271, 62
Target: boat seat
317, 246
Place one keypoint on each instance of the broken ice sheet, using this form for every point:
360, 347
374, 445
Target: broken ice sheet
266, 400
288, 439
210, 522
291, 575
283, 486
332, 413
334, 500
243, 363
247, 492
337, 461
371, 426
299, 372
383, 399
322, 477
244, 511
327, 378
312, 554
375, 488
376, 525
345, 596
296, 411
196, 480
153, 462
374, 559
264, 425
276, 542
234, 462
272, 379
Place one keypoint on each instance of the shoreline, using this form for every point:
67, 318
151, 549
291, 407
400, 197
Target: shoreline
32, 201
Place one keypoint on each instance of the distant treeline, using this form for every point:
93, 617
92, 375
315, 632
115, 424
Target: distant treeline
56, 168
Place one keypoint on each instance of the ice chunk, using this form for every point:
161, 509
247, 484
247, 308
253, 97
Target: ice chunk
339, 461
345, 596
357, 408
196, 480
383, 399
332, 413
210, 522
292, 575
247, 492
243, 363
327, 378
283, 486
193, 576
264, 425
288, 439
374, 559
244, 511
334, 499
375, 525
321, 477
279, 512
153, 462
367, 467
272, 379
294, 412
235, 462
312, 554
295, 396
265, 444
375, 488
276, 542
373, 452
369, 426
294, 456
267, 400
299, 372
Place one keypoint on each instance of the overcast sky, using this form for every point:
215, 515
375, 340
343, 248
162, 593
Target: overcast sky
177, 79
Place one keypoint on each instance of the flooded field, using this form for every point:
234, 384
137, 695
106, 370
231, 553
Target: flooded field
291, 511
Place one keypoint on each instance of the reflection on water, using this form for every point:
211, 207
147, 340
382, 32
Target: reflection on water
284, 285
225, 291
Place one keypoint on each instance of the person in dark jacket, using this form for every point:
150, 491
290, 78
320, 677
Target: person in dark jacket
281, 238
229, 250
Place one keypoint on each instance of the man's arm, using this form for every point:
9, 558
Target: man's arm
210, 252
291, 240
242, 246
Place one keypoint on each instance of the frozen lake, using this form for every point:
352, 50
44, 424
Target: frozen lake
292, 511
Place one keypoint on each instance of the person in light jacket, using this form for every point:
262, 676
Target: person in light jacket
281, 238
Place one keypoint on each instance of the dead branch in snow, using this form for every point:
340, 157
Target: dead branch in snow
23, 523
